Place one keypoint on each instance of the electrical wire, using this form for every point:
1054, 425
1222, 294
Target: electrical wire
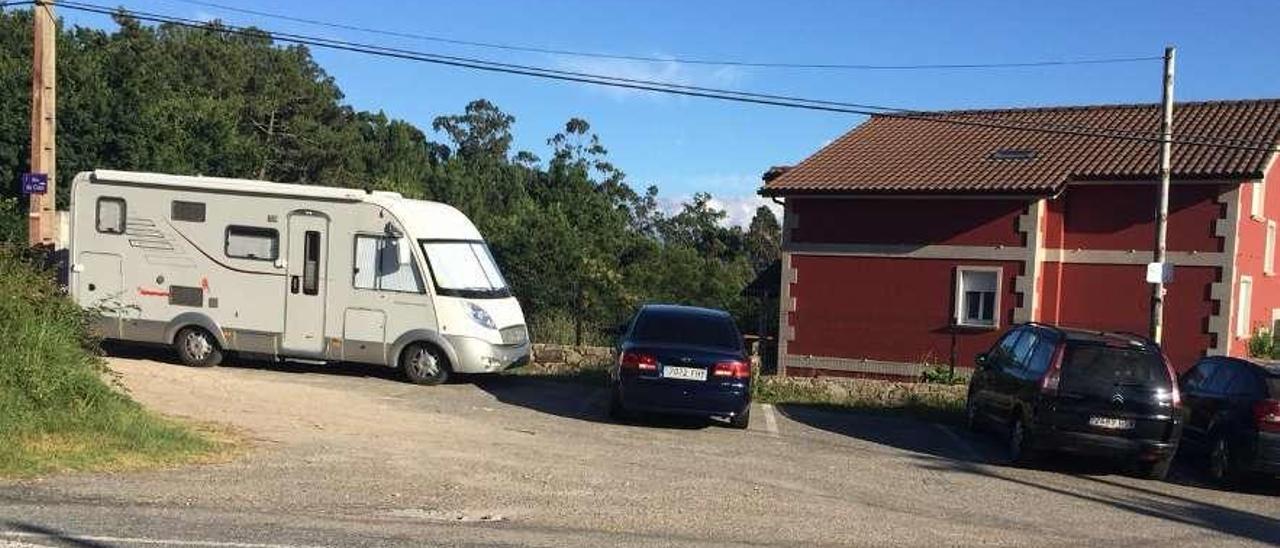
678, 60
660, 87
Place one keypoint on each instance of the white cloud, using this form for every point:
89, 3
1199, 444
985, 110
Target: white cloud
733, 193
670, 72
742, 208
739, 208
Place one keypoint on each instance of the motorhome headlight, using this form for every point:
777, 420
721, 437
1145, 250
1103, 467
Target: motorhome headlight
480, 316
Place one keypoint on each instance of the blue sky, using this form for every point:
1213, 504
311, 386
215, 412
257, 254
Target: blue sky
684, 145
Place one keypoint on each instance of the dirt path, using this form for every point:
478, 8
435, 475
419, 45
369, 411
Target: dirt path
350, 455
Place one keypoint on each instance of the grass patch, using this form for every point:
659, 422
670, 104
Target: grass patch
60, 407
935, 402
940, 402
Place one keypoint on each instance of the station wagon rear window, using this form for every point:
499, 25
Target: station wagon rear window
247, 242
1100, 368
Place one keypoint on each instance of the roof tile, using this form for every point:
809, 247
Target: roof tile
919, 154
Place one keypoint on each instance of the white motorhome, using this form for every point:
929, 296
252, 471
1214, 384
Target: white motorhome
289, 271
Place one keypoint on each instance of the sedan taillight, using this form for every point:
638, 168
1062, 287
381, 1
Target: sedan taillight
1267, 415
732, 369
638, 361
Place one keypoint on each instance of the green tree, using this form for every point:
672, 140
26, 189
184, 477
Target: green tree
763, 238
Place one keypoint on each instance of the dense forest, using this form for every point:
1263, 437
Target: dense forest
579, 244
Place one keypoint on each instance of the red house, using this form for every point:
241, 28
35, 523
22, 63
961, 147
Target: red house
909, 241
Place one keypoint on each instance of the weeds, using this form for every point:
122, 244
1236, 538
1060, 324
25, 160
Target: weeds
57, 410
943, 402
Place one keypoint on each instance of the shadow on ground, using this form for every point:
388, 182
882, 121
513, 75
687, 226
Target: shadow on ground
166, 355
1190, 507
49, 534
571, 400
1185, 498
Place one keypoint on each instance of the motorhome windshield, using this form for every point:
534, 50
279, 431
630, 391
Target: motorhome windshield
464, 268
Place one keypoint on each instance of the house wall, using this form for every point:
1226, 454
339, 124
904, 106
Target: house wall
869, 283
1122, 217
887, 309
1118, 298
1249, 256
949, 221
1084, 288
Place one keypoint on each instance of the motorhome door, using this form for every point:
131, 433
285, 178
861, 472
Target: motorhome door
305, 284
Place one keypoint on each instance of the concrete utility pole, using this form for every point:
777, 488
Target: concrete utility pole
1162, 213
42, 226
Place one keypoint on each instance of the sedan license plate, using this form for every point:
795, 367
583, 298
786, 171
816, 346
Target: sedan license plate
685, 373
1111, 423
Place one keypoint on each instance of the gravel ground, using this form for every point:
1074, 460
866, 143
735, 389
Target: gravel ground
347, 455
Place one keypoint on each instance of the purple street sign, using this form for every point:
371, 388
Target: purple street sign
35, 183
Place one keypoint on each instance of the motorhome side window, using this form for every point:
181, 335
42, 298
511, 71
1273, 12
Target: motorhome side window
111, 215
248, 242
385, 263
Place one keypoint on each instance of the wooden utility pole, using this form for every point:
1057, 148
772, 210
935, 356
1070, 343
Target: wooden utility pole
1162, 213
42, 226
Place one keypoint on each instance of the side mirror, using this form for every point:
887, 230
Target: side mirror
982, 361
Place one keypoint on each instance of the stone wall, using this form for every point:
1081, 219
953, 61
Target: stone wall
558, 355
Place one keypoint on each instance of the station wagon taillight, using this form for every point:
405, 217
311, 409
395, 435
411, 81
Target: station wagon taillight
1049, 384
732, 369
1267, 414
638, 361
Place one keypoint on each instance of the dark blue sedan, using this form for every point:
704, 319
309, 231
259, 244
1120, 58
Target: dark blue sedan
682, 360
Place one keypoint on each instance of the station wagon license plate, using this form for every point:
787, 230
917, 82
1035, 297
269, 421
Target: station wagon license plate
1111, 423
685, 373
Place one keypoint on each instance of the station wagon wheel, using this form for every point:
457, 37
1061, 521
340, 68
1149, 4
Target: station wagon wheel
1019, 443
971, 414
1221, 467
424, 364
197, 348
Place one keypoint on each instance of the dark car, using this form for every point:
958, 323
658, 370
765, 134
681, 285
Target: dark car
1233, 416
1088, 392
682, 360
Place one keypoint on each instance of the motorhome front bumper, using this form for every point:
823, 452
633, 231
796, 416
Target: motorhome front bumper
480, 356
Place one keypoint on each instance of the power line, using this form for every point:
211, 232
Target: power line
653, 86
970, 119
678, 60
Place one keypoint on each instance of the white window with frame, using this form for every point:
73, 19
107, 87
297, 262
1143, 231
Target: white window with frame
1244, 306
977, 296
1257, 200
253, 243
385, 264
1269, 254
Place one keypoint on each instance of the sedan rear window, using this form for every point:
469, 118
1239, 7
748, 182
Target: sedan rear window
1099, 368
1273, 385
689, 329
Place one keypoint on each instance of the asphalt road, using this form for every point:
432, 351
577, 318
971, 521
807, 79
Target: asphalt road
351, 456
